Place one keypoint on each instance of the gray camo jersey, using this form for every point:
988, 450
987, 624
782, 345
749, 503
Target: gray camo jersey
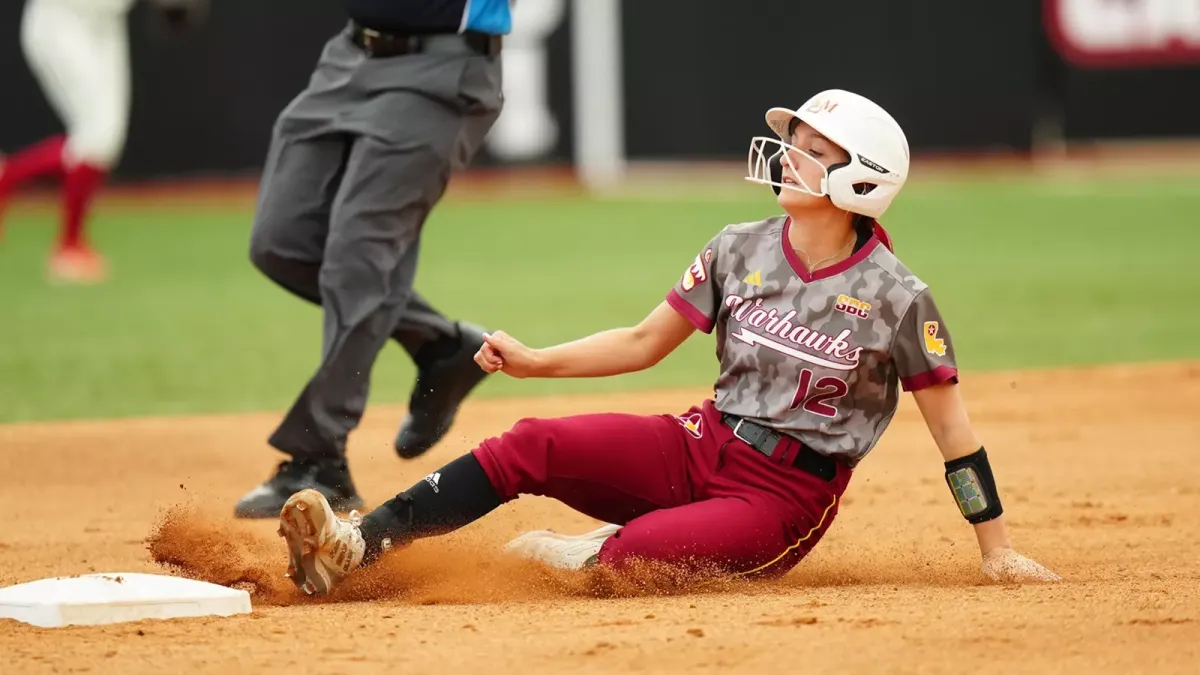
820, 356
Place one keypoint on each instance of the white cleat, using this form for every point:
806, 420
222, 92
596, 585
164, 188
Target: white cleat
322, 548
561, 551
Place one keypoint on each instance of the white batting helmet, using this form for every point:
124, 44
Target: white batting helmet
878, 151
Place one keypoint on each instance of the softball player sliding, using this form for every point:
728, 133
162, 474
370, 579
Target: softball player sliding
79, 52
818, 326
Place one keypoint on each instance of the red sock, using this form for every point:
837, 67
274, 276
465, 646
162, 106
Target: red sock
78, 189
32, 162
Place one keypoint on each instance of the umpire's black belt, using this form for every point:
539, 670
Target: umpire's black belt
766, 440
380, 44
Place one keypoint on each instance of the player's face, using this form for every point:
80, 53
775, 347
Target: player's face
801, 170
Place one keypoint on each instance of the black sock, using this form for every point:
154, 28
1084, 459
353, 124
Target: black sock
453, 496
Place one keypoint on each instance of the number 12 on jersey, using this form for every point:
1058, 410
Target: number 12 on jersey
816, 399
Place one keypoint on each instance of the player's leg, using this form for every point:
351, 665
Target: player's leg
715, 537
754, 535
613, 467
46, 29
750, 515
97, 129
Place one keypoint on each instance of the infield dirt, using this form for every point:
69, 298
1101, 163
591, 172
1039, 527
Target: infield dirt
1097, 467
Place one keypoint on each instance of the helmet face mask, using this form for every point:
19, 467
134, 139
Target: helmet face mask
771, 161
877, 148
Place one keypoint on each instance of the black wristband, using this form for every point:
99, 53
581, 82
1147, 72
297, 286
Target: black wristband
971, 482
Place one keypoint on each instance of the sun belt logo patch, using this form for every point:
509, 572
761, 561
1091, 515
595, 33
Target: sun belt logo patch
853, 306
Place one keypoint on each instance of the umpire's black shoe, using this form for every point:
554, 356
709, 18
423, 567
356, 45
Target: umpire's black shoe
442, 384
330, 478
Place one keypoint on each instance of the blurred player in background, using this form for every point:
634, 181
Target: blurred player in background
79, 52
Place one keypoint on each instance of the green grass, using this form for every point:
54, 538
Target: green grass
1027, 274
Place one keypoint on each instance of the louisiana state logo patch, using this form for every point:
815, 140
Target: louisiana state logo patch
933, 344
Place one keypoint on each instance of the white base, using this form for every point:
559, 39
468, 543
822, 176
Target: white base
96, 599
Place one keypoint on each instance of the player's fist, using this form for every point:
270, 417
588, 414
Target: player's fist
1006, 565
502, 352
488, 358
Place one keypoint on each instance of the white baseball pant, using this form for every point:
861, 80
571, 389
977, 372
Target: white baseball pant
79, 53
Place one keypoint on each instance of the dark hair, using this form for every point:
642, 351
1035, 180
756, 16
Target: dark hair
863, 229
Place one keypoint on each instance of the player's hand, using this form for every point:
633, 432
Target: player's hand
1008, 566
502, 352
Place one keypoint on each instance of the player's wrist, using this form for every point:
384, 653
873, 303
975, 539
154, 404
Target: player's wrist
541, 363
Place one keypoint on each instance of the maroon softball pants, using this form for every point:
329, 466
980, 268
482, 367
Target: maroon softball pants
685, 489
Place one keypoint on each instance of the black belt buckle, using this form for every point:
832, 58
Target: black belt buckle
368, 39
754, 435
765, 440
380, 44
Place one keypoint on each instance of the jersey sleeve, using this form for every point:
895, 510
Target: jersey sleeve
697, 295
924, 352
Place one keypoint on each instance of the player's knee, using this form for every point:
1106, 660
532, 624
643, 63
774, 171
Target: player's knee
295, 275
99, 147
263, 256
528, 426
528, 438
271, 251
520, 457
531, 435
269, 232
98, 139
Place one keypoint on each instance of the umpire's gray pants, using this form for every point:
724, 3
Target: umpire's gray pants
356, 163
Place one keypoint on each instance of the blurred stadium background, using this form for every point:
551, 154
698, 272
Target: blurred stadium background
1052, 204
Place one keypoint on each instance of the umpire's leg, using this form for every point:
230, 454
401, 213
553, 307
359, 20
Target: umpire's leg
305, 169
369, 266
287, 243
300, 179
366, 279
302, 175
412, 118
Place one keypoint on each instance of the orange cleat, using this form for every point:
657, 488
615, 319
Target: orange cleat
77, 264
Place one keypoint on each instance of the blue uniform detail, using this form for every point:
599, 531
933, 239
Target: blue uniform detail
489, 16
433, 16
